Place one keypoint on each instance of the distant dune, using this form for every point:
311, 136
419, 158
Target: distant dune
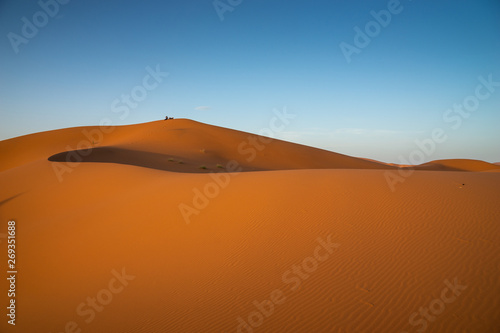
155, 229
458, 165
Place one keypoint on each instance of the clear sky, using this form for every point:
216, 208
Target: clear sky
363, 78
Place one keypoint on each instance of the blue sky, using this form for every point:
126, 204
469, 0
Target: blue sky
261, 56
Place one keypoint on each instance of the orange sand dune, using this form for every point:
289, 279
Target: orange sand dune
458, 165
180, 140
126, 240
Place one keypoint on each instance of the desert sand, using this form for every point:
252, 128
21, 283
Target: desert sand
180, 226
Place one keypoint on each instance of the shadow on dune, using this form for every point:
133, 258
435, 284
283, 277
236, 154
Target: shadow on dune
126, 156
179, 164
171, 163
3, 202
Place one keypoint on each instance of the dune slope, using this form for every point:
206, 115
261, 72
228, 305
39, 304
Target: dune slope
129, 241
180, 140
458, 165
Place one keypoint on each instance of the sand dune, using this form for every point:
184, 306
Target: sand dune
192, 143
319, 233
458, 165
